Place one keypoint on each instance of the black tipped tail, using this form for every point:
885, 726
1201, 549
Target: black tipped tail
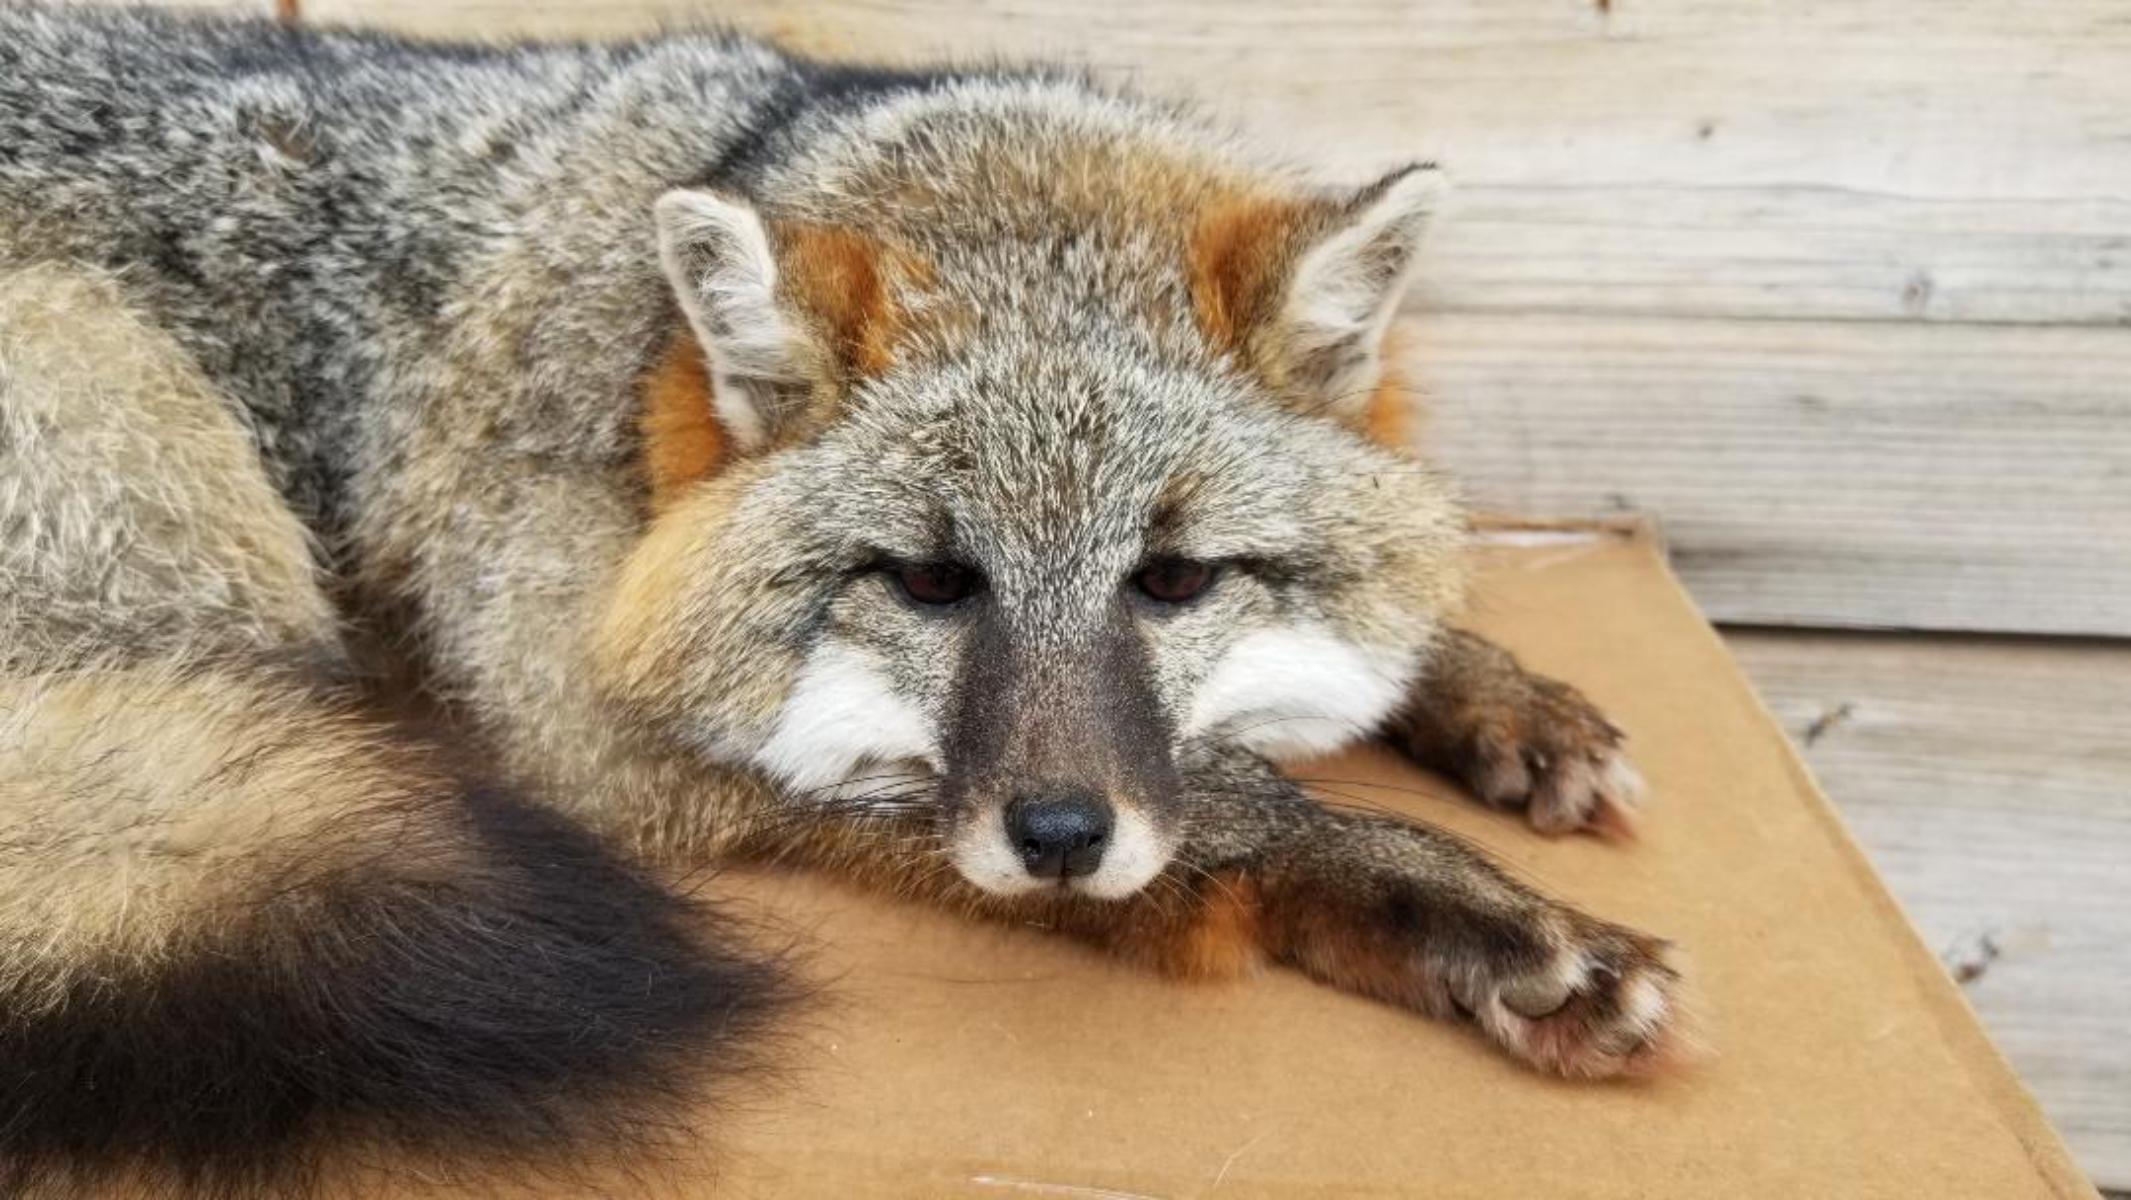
461, 979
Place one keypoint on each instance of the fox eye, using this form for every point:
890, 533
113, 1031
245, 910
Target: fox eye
1176, 580
937, 584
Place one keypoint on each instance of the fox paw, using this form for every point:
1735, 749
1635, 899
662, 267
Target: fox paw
1607, 1004
1537, 745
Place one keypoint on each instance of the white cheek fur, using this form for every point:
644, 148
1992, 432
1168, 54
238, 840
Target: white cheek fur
1297, 691
842, 714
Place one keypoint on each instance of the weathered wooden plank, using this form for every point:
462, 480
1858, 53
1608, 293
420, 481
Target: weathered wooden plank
1959, 477
1903, 160
1991, 782
1779, 253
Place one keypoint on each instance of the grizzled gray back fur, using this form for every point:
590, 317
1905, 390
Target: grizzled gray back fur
307, 210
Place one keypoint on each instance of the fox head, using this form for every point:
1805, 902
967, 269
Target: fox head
1018, 450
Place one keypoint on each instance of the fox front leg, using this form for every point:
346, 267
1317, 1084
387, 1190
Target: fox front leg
1402, 913
1517, 740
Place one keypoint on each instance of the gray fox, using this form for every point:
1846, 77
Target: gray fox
969, 482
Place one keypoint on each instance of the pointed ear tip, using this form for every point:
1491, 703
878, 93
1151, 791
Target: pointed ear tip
678, 200
696, 204
1424, 182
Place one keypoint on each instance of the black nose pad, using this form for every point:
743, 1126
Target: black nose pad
1059, 834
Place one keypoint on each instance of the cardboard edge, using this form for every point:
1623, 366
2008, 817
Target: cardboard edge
1988, 1071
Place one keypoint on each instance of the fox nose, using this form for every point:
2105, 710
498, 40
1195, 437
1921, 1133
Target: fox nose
1059, 834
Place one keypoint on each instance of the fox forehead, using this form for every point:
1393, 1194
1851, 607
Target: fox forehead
1046, 284
1074, 465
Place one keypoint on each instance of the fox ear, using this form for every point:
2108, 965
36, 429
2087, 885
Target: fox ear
1304, 290
717, 256
1348, 283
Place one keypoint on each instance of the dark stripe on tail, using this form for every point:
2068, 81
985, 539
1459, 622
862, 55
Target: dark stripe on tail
544, 1002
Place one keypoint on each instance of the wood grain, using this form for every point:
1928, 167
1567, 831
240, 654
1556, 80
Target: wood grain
1784, 252
1960, 477
1991, 781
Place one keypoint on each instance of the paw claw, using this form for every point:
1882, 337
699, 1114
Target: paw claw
1598, 793
1612, 1007
1542, 747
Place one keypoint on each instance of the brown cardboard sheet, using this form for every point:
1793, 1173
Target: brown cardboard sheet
958, 1060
